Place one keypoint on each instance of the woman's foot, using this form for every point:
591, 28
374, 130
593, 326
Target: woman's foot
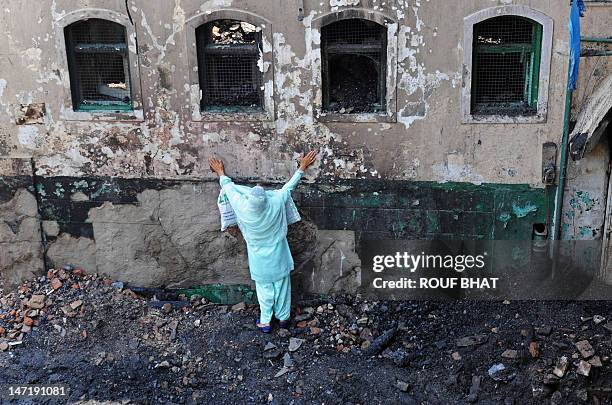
284, 324
264, 327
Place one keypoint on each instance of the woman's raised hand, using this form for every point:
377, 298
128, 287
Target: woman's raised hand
309, 159
216, 165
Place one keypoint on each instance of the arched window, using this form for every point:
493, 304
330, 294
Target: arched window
98, 65
353, 57
230, 72
506, 52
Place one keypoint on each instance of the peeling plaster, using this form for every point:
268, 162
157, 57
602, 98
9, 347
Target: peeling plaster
455, 169
178, 23
28, 136
340, 3
31, 58
170, 143
413, 77
210, 5
523, 211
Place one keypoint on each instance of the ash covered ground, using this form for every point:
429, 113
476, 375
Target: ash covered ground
111, 345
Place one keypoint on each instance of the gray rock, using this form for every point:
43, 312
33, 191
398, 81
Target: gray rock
475, 387
287, 361
272, 354
561, 367
295, 343
510, 354
402, 386
472, 340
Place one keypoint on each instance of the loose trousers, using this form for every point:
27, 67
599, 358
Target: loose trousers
274, 298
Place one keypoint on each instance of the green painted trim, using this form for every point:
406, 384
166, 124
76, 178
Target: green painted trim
509, 48
536, 57
105, 107
456, 185
223, 294
529, 52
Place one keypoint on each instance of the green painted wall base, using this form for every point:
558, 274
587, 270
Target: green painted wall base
223, 294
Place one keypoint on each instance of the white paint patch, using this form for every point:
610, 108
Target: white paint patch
288, 78
28, 136
455, 169
178, 23
55, 14
107, 151
3, 84
166, 158
414, 78
340, 3
211, 5
31, 58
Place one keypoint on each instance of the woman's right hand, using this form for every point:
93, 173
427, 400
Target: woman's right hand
309, 159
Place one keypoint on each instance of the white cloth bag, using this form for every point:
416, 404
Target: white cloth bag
228, 216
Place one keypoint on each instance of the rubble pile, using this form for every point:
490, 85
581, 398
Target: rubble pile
107, 341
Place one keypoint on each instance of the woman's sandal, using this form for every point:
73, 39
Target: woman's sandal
264, 329
284, 324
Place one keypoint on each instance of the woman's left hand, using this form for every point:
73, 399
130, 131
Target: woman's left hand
216, 165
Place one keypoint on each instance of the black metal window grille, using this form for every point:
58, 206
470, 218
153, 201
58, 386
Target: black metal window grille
354, 54
506, 65
98, 65
231, 79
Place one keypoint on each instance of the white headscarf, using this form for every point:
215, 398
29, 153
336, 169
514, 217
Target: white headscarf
261, 214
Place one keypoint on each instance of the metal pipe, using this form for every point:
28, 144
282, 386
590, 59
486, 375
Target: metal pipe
607, 40
555, 234
587, 53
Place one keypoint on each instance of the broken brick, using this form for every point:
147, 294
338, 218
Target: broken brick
534, 349
585, 348
36, 302
584, 368
76, 304
561, 367
595, 361
56, 283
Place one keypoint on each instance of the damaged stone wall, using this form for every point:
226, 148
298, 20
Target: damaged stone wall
21, 250
131, 195
586, 190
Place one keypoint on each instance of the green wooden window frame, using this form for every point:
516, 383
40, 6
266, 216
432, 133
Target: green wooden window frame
530, 52
74, 49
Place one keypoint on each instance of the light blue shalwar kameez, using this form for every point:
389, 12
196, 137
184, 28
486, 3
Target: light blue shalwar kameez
262, 219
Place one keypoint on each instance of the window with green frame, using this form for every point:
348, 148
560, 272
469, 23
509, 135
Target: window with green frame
98, 65
506, 66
